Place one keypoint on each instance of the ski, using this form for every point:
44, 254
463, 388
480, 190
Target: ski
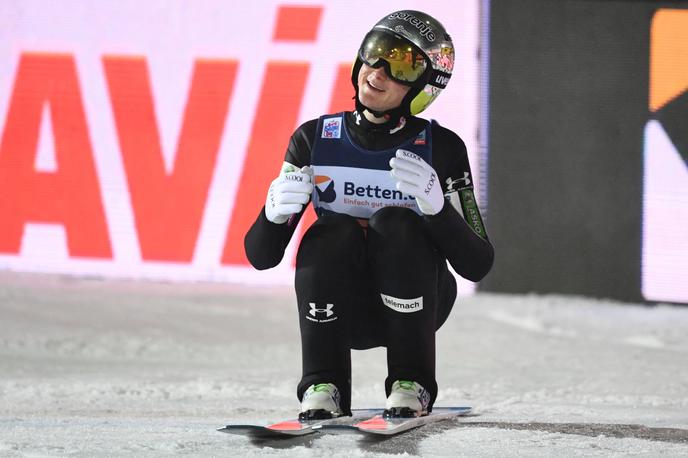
295, 427
390, 426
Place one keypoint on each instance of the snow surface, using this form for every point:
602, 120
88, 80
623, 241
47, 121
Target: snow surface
115, 368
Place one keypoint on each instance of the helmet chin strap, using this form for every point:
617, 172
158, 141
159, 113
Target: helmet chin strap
394, 115
391, 116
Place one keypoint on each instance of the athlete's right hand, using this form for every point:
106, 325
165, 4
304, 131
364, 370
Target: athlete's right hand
288, 193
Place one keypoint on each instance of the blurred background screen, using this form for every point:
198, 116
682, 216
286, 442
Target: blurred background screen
138, 139
588, 143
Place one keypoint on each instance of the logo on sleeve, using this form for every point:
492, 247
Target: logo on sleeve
452, 183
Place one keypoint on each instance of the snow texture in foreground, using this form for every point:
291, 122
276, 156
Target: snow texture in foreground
117, 368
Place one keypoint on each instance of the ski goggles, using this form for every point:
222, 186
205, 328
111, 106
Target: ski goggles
404, 62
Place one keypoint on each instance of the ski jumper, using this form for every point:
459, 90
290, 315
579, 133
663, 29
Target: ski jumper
388, 284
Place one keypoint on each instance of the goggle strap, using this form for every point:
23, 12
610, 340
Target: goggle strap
439, 79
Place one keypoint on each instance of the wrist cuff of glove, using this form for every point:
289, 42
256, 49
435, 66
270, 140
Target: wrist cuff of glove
264, 216
441, 215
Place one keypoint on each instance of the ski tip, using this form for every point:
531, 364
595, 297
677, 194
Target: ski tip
264, 432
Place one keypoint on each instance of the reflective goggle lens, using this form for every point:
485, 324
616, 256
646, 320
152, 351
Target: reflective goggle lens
405, 62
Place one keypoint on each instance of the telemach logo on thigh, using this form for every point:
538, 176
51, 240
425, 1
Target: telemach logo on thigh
403, 305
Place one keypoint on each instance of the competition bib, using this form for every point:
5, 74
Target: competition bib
354, 181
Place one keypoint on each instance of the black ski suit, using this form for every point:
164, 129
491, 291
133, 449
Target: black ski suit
358, 287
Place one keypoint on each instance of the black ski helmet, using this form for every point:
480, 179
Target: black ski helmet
434, 43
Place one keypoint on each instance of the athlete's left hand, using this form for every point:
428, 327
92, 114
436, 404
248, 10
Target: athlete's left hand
417, 178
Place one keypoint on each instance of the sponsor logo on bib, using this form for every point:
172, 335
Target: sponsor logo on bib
332, 128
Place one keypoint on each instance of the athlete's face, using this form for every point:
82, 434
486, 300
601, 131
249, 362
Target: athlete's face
377, 91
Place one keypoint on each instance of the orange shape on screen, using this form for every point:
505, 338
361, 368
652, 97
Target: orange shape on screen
297, 23
668, 56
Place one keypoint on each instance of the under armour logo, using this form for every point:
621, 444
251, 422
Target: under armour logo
327, 310
451, 182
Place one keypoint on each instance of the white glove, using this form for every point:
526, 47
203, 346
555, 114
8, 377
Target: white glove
288, 193
417, 178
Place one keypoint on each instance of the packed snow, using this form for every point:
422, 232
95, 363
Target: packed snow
93, 367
